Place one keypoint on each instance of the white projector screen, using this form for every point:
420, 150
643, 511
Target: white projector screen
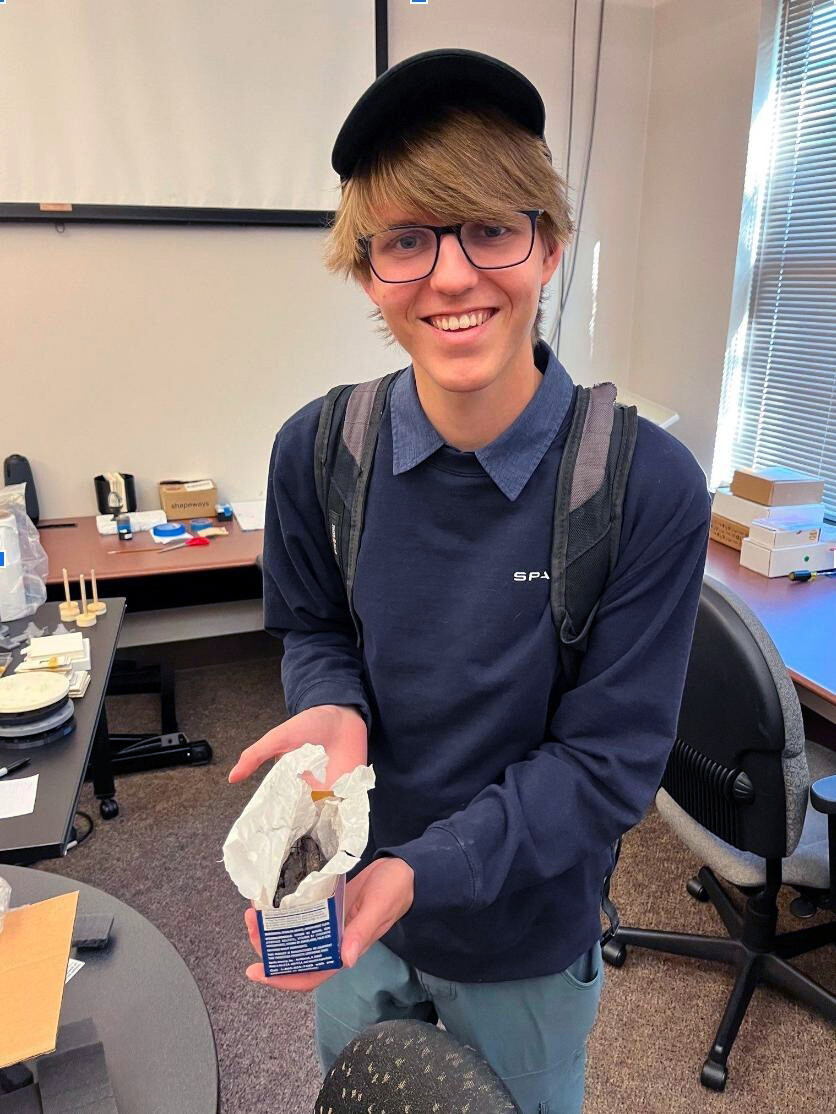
198, 104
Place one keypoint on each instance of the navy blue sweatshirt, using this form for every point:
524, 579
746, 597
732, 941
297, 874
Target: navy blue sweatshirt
504, 798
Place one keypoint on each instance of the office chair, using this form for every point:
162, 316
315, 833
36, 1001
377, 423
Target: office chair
411, 1065
737, 790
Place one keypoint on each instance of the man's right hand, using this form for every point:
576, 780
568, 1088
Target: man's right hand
339, 728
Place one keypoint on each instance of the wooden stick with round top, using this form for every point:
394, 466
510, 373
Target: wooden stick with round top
86, 618
69, 609
97, 607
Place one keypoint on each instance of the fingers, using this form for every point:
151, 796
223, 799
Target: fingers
251, 921
375, 899
366, 923
276, 741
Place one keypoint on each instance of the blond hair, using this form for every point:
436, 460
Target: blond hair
462, 164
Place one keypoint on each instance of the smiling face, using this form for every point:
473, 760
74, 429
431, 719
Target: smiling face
497, 352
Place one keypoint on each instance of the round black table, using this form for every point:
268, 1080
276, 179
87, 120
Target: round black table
147, 1008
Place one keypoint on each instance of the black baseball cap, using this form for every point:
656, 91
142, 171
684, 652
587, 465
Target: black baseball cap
415, 89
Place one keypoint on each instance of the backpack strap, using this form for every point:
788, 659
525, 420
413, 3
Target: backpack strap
607, 904
589, 503
589, 500
344, 448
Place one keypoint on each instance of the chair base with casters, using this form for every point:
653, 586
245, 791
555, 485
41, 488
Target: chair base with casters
756, 803
753, 947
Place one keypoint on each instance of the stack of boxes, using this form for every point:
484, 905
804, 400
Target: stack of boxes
775, 517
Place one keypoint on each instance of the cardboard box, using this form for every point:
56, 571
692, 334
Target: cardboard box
781, 562
34, 949
305, 939
188, 498
777, 535
726, 532
777, 487
745, 511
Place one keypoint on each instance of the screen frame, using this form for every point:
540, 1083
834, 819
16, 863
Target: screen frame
160, 214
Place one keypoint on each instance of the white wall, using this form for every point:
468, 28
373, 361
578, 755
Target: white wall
703, 74
172, 352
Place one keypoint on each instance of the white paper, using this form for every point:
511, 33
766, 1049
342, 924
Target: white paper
281, 811
139, 520
250, 515
63, 662
73, 967
55, 644
17, 796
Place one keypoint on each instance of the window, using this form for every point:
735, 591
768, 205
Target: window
778, 401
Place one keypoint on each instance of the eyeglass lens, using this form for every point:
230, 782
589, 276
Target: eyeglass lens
406, 254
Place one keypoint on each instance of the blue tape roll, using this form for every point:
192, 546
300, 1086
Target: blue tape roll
201, 523
168, 530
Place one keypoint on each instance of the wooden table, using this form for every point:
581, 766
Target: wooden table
79, 547
799, 617
171, 595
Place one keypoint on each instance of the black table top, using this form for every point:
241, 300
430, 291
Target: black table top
147, 1008
45, 832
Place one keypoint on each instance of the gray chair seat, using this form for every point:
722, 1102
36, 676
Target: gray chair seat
808, 865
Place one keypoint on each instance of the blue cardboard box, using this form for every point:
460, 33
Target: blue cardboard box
304, 939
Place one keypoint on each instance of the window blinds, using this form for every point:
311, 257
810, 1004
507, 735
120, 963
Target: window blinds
778, 402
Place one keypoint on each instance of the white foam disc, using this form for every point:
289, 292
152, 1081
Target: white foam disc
26, 692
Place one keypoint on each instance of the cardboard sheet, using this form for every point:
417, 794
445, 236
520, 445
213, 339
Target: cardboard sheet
34, 949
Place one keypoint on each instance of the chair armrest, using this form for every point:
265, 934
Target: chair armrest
823, 795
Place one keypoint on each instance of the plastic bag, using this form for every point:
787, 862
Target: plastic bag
281, 811
23, 563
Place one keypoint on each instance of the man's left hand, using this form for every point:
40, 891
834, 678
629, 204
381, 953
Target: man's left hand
378, 897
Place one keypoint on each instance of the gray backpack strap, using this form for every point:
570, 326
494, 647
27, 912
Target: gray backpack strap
344, 448
587, 515
589, 503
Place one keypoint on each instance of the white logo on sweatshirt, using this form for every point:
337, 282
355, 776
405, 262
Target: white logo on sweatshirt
531, 576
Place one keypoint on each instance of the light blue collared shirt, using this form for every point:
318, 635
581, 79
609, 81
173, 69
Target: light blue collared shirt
510, 460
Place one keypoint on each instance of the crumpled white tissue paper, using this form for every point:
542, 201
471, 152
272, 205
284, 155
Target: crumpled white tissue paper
281, 811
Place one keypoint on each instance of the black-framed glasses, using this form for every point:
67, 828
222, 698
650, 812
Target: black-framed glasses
409, 252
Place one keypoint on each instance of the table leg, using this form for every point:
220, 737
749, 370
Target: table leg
103, 784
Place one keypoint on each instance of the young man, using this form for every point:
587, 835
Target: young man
500, 790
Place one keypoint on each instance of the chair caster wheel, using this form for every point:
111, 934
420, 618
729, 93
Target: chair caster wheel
201, 754
614, 953
802, 908
696, 889
108, 808
713, 1075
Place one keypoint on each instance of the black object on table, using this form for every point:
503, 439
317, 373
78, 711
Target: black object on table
146, 1006
62, 765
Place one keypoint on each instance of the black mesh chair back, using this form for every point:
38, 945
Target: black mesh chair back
413, 1066
738, 765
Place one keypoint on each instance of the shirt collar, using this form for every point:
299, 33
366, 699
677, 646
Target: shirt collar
510, 460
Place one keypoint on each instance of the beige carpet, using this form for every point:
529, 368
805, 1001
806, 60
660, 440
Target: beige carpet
658, 1014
